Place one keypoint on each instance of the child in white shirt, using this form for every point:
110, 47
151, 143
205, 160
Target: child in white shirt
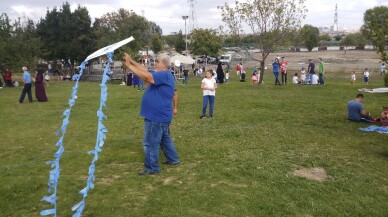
208, 85
353, 78
366, 76
295, 79
302, 75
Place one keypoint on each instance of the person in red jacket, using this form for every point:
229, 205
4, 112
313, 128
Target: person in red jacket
8, 78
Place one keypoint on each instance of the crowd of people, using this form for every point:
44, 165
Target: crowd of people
160, 100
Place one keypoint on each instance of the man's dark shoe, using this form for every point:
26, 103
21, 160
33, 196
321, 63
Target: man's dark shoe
143, 173
168, 163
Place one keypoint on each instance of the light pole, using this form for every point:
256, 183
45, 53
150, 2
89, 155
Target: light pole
185, 18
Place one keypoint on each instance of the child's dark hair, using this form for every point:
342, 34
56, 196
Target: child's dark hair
296, 74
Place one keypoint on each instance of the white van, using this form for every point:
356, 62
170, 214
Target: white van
225, 58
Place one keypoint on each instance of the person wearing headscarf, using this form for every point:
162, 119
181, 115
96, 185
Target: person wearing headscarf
40, 92
220, 73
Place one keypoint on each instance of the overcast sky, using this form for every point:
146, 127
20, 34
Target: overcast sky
168, 13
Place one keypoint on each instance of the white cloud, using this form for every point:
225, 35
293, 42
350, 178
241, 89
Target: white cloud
168, 13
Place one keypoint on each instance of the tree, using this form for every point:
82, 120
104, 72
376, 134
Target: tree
19, 44
310, 35
338, 37
325, 37
65, 34
180, 44
375, 28
156, 43
270, 21
353, 39
116, 26
205, 42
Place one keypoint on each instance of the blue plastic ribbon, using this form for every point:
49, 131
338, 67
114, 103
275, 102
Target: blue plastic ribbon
55, 172
101, 131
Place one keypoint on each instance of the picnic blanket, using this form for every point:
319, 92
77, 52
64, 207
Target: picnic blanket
374, 90
375, 128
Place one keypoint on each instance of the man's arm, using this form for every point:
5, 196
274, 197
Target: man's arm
138, 65
175, 102
140, 71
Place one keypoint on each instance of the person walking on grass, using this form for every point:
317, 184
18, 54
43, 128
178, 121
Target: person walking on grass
366, 76
275, 68
311, 71
209, 86
353, 78
321, 71
40, 92
8, 78
284, 66
382, 69
27, 83
159, 105
185, 75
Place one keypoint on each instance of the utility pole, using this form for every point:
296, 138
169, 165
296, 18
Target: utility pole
185, 18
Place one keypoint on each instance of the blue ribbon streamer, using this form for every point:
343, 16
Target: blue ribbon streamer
101, 131
55, 172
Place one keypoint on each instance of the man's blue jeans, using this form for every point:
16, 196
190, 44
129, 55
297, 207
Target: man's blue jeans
208, 99
157, 134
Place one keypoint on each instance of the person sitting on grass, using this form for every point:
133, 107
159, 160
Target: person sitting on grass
295, 79
356, 110
384, 116
255, 78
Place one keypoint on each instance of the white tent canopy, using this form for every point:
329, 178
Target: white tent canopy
182, 59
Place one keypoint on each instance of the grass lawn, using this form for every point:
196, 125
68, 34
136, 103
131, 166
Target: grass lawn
240, 163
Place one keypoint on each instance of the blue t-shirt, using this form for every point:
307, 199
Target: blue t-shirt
354, 110
275, 66
156, 104
27, 77
312, 68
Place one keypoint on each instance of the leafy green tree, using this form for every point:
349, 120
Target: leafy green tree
156, 43
19, 44
310, 35
270, 21
375, 28
25, 45
116, 26
325, 37
205, 42
169, 40
5, 37
338, 37
65, 34
180, 44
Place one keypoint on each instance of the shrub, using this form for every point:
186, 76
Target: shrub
386, 80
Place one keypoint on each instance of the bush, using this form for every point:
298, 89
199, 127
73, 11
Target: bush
386, 80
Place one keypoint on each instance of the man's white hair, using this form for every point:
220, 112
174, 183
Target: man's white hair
165, 59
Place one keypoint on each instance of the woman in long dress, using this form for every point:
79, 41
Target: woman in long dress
40, 92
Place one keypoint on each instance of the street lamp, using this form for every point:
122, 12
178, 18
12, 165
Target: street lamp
185, 18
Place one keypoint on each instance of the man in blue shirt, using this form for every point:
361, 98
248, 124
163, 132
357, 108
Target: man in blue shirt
275, 68
27, 80
311, 71
356, 110
159, 104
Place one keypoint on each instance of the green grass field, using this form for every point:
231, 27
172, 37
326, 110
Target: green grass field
240, 163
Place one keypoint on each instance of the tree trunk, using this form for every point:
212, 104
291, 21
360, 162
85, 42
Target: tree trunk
262, 66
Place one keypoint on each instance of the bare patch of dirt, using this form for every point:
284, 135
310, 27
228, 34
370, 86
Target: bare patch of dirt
168, 180
385, 188
316, 173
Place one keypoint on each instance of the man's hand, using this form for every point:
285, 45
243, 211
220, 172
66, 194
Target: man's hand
175, 111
